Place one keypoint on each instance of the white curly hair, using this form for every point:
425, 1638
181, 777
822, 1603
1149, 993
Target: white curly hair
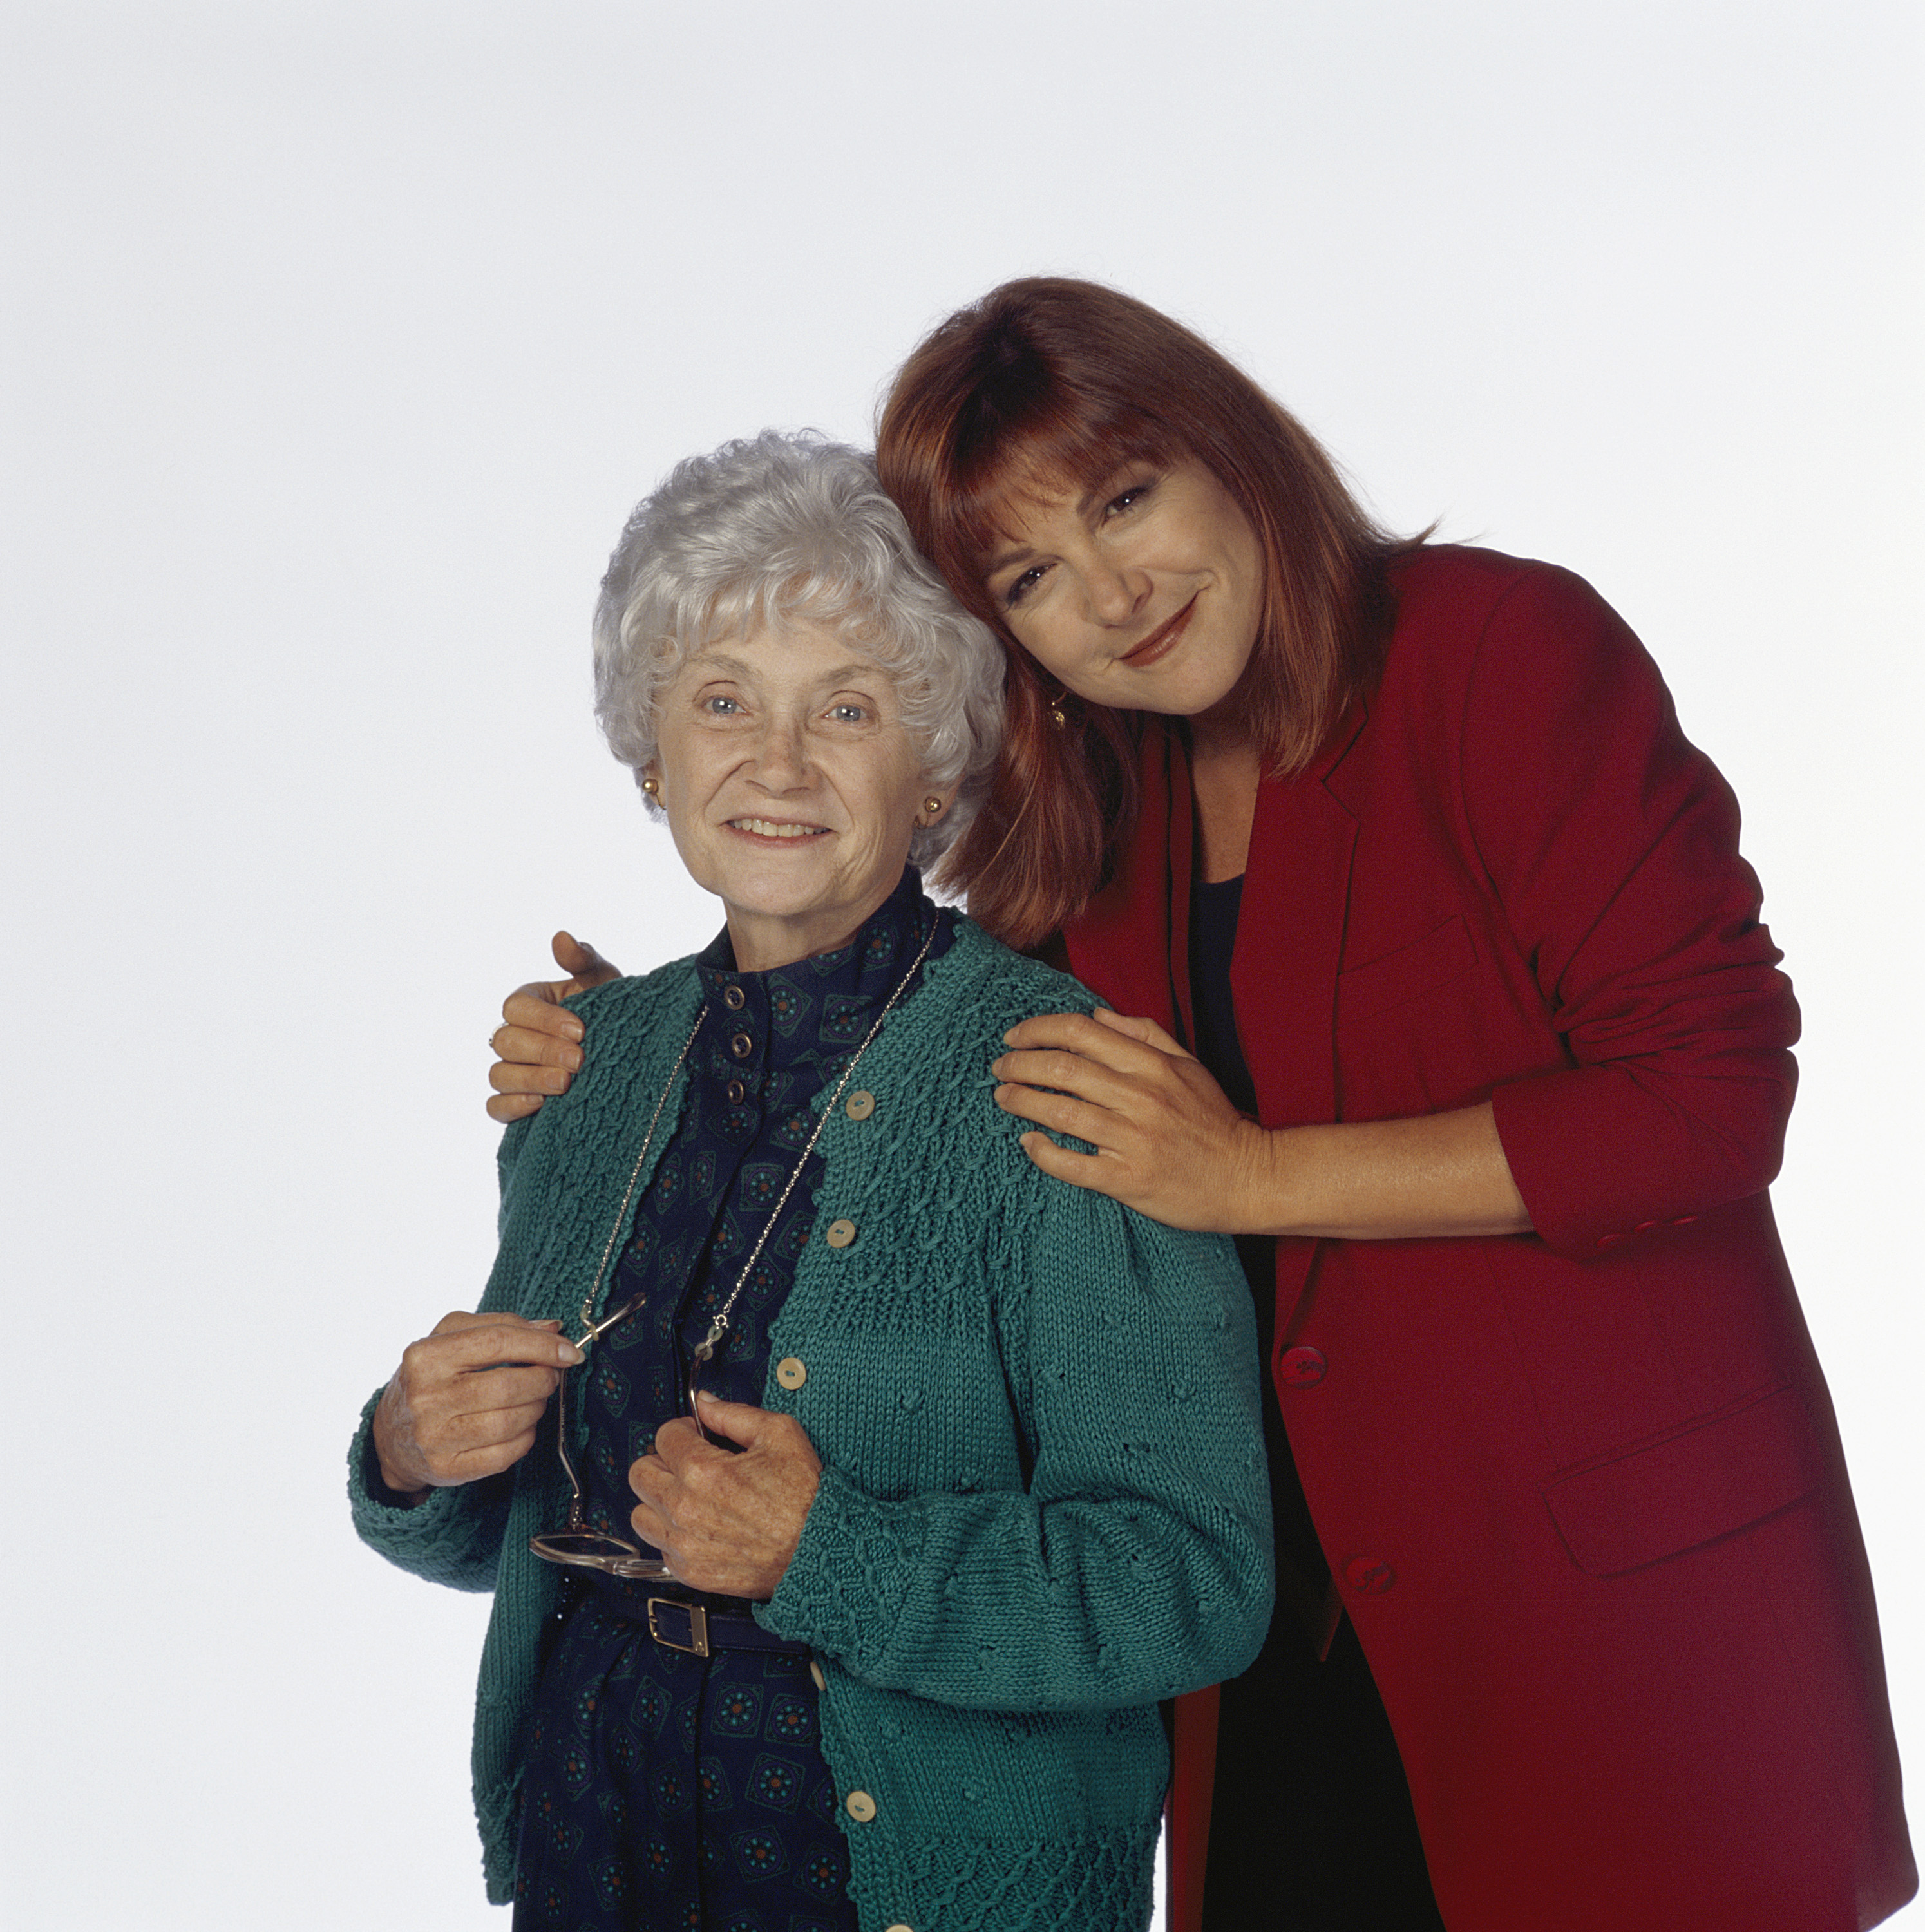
777, 528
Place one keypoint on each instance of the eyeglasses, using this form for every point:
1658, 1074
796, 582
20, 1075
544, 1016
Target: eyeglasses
578, 1544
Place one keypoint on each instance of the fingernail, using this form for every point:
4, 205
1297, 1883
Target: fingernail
1009, 1038
567, 1354
573, 1062
554, 1081
574, 1029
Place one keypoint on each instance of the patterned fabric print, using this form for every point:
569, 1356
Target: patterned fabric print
661, 1791
652, 1776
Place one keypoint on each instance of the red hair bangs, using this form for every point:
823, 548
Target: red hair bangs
1048, 385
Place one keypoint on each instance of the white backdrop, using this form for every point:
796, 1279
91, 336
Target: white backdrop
340, 338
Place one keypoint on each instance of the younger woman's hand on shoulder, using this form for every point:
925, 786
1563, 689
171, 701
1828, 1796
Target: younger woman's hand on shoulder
1168, 1142
537, 1046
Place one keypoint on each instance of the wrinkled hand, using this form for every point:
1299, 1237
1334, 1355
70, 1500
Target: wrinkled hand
726, 1522
1169, 1143
465, 1401
536, 1045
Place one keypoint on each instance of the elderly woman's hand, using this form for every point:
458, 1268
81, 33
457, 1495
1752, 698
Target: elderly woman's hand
538, 1041
729, 1523
465, 1401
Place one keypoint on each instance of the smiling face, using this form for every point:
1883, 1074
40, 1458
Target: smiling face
791, 786
1145, 595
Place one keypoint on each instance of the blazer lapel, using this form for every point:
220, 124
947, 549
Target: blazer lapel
1290, 933
1283, 975
1132, 942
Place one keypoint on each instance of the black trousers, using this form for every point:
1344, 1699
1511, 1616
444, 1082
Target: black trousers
1311, 1827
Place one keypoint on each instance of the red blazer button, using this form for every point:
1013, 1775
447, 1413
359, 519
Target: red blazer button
1302, 1368
1644, 1227
1369, 1575
1608, 1240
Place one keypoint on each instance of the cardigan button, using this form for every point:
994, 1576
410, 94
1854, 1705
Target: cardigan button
736, 1092
742, 1045
1303, 1368
734, 998
1369, 1575
791, 1373
859, 1105
860, 1806
840, 1234
815, 1673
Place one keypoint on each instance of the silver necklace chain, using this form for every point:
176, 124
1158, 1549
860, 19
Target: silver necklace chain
592, 1329
718, 1327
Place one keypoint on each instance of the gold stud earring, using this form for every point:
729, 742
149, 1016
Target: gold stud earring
652, 786
933, 805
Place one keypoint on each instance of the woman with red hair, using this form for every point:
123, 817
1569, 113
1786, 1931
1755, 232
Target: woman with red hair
1437, 979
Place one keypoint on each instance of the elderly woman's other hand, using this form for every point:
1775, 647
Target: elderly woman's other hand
465, 1400
725, 1522
537, 1043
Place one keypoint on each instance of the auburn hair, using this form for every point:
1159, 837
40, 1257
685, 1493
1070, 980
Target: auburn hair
1058, 385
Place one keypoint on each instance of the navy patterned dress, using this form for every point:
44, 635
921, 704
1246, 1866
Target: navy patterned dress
664, 1790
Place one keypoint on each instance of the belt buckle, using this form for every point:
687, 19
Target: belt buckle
697, 1644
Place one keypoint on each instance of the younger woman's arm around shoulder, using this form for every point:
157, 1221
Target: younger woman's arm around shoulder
537, 1046
1167, 1142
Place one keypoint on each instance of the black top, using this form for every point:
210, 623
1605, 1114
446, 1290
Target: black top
1302, 1576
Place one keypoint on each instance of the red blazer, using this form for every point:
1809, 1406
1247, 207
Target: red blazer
1581, 1490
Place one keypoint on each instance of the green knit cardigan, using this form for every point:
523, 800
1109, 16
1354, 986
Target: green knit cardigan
1042, 1506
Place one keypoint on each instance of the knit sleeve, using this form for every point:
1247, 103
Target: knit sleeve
1135, 1565
454, 1537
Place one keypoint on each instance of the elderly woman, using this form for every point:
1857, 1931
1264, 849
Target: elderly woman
953, 1472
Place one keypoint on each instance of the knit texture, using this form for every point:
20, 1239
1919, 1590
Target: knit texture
1043, 1505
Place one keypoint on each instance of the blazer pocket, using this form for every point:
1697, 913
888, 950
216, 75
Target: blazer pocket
1733, 1468
1441, 954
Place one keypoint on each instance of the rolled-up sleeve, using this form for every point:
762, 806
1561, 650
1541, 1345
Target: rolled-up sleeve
1612, 843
